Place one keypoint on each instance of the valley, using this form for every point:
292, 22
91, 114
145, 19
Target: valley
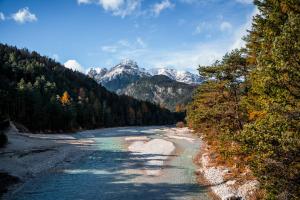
160, 99
163, 86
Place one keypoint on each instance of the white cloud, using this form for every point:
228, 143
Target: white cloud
188, 57
74, 65
84, 1
245, 1
109, 48
159, 7
121, 8
201, 54
112, 5
125, 8
225, 26
242, 31
203, 27
189, 1
141, 42
24, 15
200, 27
128, 7
124, 45
2, 16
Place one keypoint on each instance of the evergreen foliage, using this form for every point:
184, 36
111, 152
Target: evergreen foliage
44, 95
272, 137
162, 90
252, 101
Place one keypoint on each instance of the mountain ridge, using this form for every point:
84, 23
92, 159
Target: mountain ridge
162, 90
167, 87
130, 68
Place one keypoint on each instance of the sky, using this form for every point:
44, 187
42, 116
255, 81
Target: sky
180, 34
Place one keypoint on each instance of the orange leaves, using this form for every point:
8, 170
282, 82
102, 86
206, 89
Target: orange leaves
65, 99
256, 114
180, 108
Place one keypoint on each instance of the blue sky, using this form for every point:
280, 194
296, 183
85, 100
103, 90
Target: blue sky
99, 33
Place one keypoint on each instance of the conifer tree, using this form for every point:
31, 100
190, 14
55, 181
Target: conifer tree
272, 138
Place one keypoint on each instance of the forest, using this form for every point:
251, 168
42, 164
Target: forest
248, 108
43, 95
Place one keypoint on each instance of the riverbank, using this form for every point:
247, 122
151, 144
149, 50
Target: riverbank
224, 183
26, 155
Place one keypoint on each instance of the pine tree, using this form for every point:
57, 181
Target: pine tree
217, 101
272, 138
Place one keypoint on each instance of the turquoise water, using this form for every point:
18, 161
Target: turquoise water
103, 174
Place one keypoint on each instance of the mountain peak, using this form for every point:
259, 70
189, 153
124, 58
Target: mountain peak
128, 71
119, 76
178, 75
128, 62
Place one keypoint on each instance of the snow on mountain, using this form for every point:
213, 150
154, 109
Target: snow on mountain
97, 73
178, 75
127, 72
164, 86
125, 67
119, 76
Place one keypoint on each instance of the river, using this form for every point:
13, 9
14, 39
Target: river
109, 171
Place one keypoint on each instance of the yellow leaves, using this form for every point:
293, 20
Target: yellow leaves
179, 108
256, 114
65, 99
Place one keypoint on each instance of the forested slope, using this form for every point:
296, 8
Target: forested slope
43, 95
248, 108
161, 90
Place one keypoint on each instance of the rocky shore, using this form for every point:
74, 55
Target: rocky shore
223, 184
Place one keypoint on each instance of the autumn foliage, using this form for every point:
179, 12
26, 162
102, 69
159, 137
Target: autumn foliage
65, 99
248, 108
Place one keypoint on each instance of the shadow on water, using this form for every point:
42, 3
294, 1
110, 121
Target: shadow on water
111, 173
124, 132
102, 175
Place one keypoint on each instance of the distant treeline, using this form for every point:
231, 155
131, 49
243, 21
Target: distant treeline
248, 108
43, 95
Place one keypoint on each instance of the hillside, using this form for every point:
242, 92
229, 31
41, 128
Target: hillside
161, 90
58, 98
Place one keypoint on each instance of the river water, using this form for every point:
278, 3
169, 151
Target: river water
109, 171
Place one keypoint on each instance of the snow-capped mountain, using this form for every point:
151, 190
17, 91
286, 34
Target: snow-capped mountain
178, 75
97, 73
119, 76
164, 86
128, 72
